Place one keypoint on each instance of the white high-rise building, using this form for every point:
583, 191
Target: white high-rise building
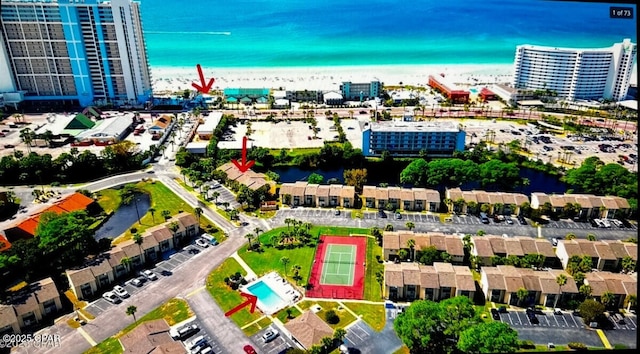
76, 51
576, 74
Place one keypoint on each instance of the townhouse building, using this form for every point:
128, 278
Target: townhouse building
253, 180
394, 241
440, 281
102, 271
501, 284
407, 199
474, 201
589, 205
606, 255
26, 308
314, 195
360, 91
486, 248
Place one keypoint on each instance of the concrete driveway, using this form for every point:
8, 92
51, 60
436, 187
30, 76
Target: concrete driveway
361, 337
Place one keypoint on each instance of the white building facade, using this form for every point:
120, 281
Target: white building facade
576, 74
74, 50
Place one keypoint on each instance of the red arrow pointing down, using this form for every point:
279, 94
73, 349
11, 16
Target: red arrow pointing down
206, 87
251, 300
244, 165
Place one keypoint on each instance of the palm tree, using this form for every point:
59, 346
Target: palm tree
607, 298
27, 137
285, 261
126, 262
339, 334
522, 294
411, 243
137, 238
380, 279
131, 311
561, 280
166, 214
153, 214
215, 196
198, 211
249, 236
410, 225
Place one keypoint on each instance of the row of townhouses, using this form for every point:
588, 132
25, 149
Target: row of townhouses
102, 271
33, 304
500, 283
457, 201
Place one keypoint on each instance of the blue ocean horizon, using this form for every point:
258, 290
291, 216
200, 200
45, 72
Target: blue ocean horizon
302, 33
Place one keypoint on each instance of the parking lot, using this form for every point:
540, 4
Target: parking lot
567, 327
207, 336
275, 346
162, 269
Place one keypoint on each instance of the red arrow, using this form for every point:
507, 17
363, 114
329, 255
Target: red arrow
244, 165
251, 300
206, 87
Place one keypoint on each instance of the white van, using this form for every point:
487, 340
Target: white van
207, 350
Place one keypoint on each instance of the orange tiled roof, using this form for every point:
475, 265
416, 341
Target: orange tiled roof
74, 202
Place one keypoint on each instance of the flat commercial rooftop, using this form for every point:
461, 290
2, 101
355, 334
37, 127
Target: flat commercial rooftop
414, 127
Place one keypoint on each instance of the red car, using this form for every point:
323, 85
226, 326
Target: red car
249, 349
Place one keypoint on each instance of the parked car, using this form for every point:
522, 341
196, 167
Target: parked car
120, 291
111, 297
269, 335
137, 282
521, 220
557, 311
398, 216
202, 242
554, 241
336, 212
196, 342
149, 274
508, 220
249, 349
502, 309
186, 332
382, 214
495, 314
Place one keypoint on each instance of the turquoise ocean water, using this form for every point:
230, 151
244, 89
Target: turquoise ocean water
293, 33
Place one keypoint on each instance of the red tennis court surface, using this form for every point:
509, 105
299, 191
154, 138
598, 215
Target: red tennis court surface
356, 290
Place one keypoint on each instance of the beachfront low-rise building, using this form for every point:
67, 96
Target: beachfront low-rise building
406, 199
449, 89
407, 139
23, 309
475, 201
332, 98
206, 128
586, 205
246, 96
576, 73
352, 91
440, 281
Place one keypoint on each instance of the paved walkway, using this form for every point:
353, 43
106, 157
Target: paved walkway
250, 273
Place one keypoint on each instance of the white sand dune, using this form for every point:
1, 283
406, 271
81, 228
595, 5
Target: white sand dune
325, 78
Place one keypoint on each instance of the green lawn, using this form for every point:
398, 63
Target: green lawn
372, 290
295, 152
283, 317
225, 296
162, 198
173, 311
374, 315
269, 260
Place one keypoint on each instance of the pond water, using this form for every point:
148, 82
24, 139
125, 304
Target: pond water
124, 217
538, 181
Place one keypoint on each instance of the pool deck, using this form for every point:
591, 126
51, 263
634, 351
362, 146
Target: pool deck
282, 288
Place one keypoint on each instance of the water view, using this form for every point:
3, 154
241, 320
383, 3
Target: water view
538, 181
125, 216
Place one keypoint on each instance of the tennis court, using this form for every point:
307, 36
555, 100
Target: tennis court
339, 265
338, 268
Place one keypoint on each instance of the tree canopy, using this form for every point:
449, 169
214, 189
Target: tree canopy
430, 327
490, 337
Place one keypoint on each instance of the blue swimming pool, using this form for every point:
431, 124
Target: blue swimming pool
268, 301
473, 90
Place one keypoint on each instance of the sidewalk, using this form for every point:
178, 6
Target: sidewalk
250, 273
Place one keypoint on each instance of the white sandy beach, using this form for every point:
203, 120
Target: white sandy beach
168, 79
